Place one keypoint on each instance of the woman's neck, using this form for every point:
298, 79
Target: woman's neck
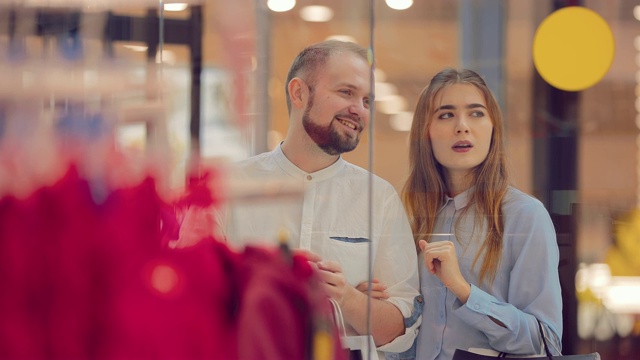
458, 183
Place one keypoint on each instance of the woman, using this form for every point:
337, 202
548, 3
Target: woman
490, 253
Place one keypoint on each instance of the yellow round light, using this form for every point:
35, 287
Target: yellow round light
573, 48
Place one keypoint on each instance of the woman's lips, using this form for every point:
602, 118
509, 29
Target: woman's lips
462, 146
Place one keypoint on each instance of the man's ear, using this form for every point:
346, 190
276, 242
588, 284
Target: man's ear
297, 92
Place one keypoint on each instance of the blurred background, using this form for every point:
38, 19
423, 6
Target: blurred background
204, 80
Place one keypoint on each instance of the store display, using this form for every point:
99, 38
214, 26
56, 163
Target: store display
86, 224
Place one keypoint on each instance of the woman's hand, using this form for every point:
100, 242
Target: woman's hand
441, 259
378, 289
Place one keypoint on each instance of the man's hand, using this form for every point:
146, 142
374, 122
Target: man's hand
386, 322
330, 274
311, 256
335, 284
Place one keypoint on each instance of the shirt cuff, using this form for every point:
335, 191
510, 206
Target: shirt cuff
475, 311
404, 341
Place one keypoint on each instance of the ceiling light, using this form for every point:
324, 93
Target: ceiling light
399, 4
383, 90
166, 56
392, 104
281, 5
175, 7
401, 121
139, 48
621, 295
345, 38
380, 74
316, 13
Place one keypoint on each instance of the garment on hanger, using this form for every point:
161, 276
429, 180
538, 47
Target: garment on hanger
86, 270
96, 280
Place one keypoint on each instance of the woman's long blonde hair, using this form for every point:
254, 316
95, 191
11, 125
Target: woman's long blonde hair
426, 188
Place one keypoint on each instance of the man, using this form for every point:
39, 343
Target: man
328, 98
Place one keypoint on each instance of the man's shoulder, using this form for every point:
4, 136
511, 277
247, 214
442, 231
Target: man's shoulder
357, 172
263, 161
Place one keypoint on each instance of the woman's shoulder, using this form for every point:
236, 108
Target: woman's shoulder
517, 201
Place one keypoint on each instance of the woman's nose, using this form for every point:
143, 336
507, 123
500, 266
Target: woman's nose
462, 127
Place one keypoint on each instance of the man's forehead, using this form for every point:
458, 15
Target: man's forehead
350, 70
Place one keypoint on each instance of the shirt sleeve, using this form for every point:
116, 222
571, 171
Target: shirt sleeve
534, 288
396, 265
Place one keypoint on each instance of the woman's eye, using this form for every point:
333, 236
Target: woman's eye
477, 114
445, 116
346, 92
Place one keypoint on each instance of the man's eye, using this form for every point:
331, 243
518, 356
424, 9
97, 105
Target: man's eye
346, 92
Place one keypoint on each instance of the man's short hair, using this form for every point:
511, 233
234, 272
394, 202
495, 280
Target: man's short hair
306, 64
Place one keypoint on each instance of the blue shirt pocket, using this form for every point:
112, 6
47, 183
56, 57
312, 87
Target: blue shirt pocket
352, 240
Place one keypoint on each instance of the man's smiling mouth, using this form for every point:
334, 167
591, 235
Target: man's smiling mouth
347, 123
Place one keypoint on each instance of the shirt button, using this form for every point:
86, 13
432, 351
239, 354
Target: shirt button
309, 177
476, 306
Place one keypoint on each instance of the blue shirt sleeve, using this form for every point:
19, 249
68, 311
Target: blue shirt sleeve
533, 287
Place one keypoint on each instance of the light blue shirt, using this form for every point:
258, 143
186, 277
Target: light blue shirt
526, 287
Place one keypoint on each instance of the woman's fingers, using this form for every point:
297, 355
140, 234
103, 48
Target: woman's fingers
439, 254
378, 289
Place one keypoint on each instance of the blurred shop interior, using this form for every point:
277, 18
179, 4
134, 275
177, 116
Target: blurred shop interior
179, 85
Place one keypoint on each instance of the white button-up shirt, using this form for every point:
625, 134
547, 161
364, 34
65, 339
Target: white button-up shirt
334, 219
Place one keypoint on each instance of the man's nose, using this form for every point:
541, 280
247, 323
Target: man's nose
360, 109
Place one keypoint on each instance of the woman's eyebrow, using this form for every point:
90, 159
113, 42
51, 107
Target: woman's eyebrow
453, 107
445, 107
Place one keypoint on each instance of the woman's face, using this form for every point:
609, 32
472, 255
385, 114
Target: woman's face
460, 129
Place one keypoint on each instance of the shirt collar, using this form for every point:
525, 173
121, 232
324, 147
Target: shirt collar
461, 200
296, 172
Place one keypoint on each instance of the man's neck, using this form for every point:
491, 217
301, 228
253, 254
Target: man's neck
308, 157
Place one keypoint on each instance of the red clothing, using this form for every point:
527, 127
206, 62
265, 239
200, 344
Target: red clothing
93, 280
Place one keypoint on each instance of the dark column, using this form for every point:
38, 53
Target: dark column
195, 45
555, 157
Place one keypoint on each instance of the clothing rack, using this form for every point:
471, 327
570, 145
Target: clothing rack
54, 22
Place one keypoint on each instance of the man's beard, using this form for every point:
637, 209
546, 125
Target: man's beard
327, 137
